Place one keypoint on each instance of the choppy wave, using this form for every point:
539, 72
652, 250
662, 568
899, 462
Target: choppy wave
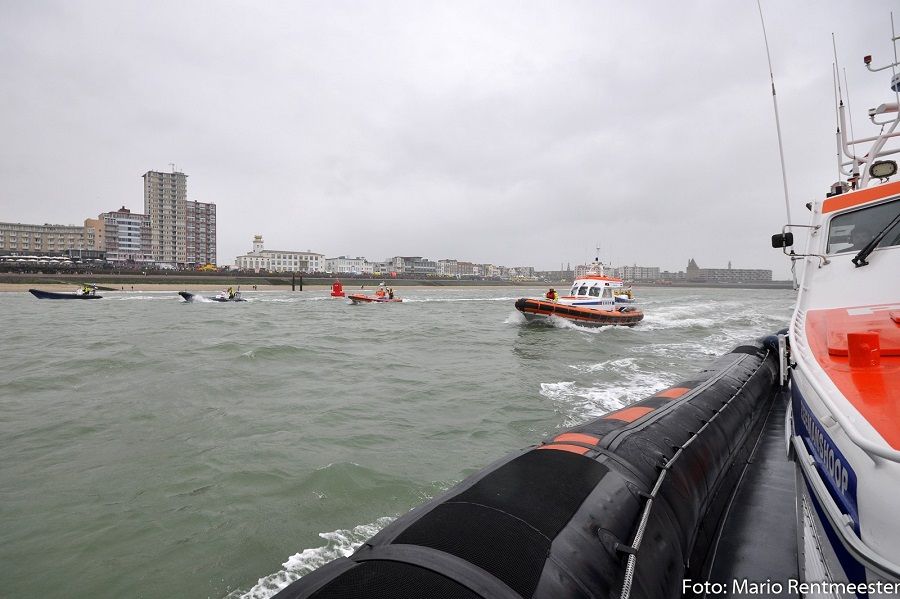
338, 543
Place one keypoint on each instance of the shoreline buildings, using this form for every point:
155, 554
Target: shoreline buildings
173, 232
260, 258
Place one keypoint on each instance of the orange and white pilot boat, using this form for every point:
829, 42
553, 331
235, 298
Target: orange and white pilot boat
842, 359
595, 299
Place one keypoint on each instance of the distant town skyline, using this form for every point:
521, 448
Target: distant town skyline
519, 133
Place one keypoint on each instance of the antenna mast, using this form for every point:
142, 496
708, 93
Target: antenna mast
787, 203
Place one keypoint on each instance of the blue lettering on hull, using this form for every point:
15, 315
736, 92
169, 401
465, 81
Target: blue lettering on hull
832, 465
839, 478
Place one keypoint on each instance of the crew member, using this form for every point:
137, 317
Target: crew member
390, 293
231, 293
552, 295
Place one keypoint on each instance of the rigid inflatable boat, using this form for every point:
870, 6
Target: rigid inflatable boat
843, 358
627, 504
62, 296
189, 297
359, 298
591, 301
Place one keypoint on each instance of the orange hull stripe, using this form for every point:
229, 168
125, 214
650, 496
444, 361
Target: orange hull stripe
578, 437
628, 414
569, 448
854, 198
673, 392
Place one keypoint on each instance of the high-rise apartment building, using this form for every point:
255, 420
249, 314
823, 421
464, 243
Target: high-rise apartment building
182, 233
200, 233
165, 202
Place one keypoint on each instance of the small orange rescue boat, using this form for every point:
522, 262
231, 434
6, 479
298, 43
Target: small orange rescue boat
382, 296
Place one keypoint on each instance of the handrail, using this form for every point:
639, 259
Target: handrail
840, 522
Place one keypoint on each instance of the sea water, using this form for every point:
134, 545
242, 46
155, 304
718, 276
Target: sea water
156, 448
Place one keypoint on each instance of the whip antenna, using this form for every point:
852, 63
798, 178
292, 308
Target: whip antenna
787, 204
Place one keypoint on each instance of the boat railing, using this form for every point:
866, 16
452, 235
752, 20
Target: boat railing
802, 354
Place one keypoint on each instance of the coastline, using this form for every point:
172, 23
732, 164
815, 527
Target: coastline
218, 281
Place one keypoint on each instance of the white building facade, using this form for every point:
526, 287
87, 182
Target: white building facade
260, 259
345, 265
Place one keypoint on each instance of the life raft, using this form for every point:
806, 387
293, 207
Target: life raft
626, 316
625, 505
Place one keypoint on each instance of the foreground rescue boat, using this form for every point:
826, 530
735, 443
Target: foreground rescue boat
843, 358
592, 301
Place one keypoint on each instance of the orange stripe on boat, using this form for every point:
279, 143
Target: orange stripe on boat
854, 198
673, 392
628, 414
569, 448
578, 437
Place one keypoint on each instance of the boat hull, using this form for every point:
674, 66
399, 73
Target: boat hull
61, 296
359, 298
845, 501
535, 308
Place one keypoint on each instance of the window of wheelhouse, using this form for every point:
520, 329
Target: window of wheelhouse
852, 231
594, 291
583, 290
607, 292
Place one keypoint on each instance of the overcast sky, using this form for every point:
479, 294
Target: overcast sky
516, 133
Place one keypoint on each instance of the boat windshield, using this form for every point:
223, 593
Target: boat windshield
583, 290
594, 292
608, 292
852, 231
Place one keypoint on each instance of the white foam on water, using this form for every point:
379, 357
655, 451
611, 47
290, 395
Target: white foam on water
293, 300
338, 543
565, 323
618, 365
515, 317
578, 404
423, 300
132, 298
677, 315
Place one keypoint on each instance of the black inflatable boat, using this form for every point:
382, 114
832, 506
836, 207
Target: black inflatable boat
628, 505
189, 297
62, 296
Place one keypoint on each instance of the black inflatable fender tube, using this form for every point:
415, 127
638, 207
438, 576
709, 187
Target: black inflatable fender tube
558, 519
